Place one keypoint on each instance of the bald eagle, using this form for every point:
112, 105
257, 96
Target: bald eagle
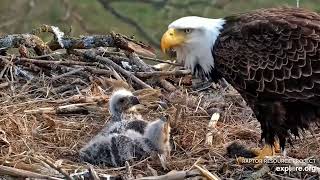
271, 56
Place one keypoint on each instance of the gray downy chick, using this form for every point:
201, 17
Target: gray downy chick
121, 120
116, 148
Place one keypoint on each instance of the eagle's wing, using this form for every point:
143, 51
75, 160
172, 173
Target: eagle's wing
272, 57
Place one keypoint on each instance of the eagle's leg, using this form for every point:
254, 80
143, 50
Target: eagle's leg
199, 84
199, 79
271, 116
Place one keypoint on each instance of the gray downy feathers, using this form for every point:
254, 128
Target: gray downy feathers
126, 138
115, 149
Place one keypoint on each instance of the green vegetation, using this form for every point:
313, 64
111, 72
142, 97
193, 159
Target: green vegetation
89, 16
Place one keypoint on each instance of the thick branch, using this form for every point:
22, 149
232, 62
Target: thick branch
5, 170
162, 73
35, 61
80, 108
27, 40
61, 41
174, 175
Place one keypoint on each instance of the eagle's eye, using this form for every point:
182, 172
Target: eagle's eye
121, 100
187, 31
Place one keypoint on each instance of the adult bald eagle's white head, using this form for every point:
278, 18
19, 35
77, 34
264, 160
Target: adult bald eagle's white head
193, 38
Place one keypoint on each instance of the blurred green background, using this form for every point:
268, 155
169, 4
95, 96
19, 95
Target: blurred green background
145, 19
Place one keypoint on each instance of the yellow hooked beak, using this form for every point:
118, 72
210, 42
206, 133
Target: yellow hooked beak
172, 38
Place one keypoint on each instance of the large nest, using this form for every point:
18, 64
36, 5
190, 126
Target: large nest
53, 102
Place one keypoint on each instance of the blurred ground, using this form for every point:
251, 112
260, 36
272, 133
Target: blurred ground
93, 17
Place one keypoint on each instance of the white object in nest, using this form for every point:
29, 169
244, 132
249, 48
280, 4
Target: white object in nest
212, 128
214, 120
59, 35
126, 65
162, 66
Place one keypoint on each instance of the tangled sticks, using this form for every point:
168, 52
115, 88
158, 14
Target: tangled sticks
119, 57
68, 77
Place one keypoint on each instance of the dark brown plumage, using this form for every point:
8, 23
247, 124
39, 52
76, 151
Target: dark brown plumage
272, 57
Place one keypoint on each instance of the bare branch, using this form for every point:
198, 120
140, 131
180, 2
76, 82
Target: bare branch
159, 4
127, 20
93, 56
23, 173
27, 40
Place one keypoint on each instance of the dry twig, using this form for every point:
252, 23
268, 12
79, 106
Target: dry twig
58, 168
173, 175
92, 55
5, 170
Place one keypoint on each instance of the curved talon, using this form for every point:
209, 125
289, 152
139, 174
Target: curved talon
267, 150
261, 154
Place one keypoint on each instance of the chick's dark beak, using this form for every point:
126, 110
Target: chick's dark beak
164, 118
134, 100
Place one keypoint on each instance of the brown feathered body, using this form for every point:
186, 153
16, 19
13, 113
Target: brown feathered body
272, 57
